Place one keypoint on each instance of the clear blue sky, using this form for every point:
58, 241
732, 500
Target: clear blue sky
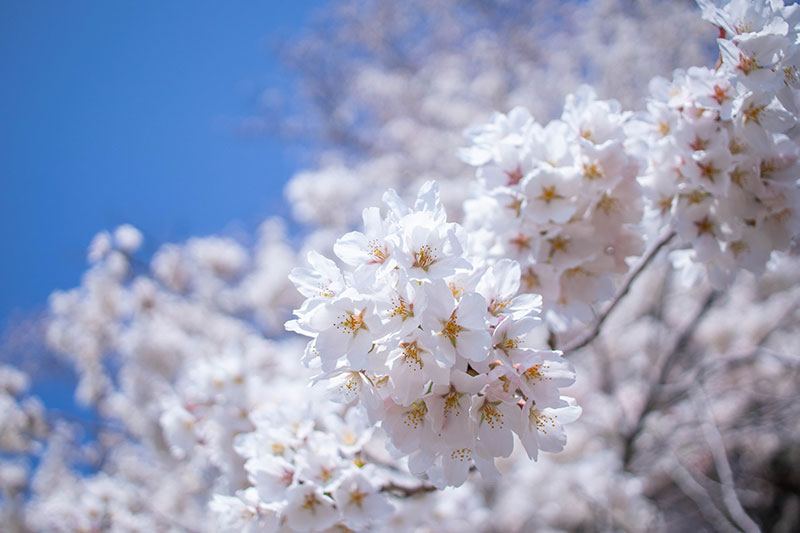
115, 112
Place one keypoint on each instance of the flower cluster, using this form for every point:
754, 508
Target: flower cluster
305, 474
562, 199
435, 347
722, 163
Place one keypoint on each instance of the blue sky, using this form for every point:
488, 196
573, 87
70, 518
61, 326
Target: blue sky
115, 112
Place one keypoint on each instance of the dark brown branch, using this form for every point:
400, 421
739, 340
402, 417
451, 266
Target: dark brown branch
407, 492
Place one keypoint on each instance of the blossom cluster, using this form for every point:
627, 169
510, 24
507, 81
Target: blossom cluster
428, 334
433, 345
721, 157
304, 475
399, 99
562, 199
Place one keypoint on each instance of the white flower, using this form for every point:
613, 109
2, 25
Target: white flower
458, 327
358, 501
308, 509
542, 429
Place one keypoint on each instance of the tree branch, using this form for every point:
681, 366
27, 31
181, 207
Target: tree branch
580, 342
407, 492
658, 380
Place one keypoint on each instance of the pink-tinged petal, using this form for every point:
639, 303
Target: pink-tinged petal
352, 248
494, 428
331, 345
373, 222
419, 461
485, 466
552, 437
357, 351
455, 465
507, 273
474, 345
472, 311
463, 382
397, 207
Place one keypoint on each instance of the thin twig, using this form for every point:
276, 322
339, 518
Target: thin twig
724, 363
700, 496
658, 380
407, 492
580, 342
721, 464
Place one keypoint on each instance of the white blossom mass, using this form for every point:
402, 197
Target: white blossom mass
549, 282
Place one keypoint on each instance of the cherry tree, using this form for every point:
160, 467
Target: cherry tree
515, 315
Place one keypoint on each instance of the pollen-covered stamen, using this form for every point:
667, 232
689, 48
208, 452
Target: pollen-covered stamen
505, 384
704, 226
576, 271
747, 64
378, 254
699, 144
496, 306
664, 204
696, 196
516, 206
514, 177
452, 404
592, 171
708, 171
455, 289
350, 385
492, 416
357, 497
278, 448
415, 416
411, 356
541, 420
310, 502
766, 168
558, 244
451, 328
402, 308
521, 242
326, 474
549, 194
753, 113
530, 279
425, 257
461, 455
790, 75
720, 95
738, 248
535, 373
743, 26
351, 322
325, 291
738, 177
507, 344
608, 204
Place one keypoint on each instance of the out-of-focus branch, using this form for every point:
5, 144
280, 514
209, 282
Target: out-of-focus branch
407, 492
589, 336
721, 464
718, 364
699, 495
660, 378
